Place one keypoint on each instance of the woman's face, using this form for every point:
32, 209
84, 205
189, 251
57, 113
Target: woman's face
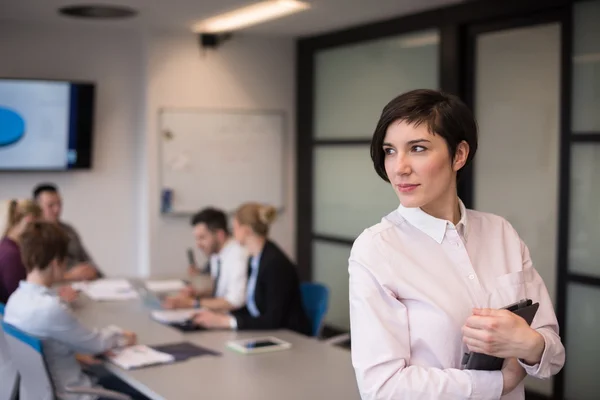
418, 164
240, 232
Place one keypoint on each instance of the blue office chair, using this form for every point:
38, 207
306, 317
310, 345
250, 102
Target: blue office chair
27, 355
315, 299
9, 378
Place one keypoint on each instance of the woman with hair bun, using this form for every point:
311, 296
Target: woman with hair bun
273, 292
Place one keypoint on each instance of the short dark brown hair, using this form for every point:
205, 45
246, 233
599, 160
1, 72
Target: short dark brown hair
44, 187
444, 114
214, 219
41, 243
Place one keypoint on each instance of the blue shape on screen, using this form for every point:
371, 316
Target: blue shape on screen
12, 127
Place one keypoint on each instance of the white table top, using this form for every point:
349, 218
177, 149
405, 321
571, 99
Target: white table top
310, 370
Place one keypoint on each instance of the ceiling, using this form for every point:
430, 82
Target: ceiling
323, 16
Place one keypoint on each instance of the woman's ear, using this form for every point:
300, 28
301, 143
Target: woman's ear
460, 156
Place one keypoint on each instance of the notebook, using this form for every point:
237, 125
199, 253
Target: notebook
139, 356
107, 289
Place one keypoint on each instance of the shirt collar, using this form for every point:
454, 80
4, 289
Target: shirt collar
34, 287
255, 261
434, 227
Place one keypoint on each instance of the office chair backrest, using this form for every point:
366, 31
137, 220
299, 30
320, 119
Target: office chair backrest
27, 356
315, 299
9, 379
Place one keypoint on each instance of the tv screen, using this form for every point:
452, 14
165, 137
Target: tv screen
45, 125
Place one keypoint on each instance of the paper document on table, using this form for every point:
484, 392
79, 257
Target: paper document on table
164, 286
107, 289
139, 356
174, 316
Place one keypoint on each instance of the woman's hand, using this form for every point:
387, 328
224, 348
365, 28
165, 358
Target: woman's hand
504, 334
211, 319
512, 374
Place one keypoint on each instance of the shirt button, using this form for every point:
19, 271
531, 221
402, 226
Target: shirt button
471, 277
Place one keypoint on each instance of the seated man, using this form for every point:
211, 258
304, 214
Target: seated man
37, 310
228, 265
80, 266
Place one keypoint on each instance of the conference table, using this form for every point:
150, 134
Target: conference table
309, 370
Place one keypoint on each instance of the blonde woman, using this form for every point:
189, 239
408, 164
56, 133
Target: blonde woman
19, 213
273, 290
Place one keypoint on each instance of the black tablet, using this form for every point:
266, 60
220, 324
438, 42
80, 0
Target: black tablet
483, 362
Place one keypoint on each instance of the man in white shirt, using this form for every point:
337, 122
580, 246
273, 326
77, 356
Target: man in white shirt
228, 262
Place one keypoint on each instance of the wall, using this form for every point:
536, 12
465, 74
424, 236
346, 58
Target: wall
245, 73
115, 205
100, 202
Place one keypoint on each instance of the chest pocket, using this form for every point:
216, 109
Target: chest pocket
510, 288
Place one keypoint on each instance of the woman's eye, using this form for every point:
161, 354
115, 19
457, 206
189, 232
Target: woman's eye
419, 149
388, 151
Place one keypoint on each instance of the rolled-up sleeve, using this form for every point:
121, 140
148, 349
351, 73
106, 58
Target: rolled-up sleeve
545, 322
381, 350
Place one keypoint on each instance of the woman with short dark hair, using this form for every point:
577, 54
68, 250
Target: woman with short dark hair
428, 282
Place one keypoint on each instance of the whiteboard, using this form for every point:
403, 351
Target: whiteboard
220, 158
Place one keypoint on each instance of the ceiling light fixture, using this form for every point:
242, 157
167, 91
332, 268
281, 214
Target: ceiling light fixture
249, 15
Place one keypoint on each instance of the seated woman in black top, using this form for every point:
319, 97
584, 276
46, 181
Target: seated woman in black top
273, 292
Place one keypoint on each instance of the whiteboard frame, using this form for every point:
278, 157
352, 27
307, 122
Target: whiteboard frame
206, 110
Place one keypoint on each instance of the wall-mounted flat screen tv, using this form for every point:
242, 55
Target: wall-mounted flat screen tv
45, 125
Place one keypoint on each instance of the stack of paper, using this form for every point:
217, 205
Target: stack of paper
174, 316
139, 356
165, 286
107, 289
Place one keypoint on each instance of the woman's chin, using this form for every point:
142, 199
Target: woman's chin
410, 201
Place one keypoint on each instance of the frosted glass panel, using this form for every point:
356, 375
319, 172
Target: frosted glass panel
353, 83
584, 232
586, 67
349, 196
330, 267
582, 348
516, 166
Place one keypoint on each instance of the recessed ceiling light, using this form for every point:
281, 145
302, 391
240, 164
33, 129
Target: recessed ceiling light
93, 11
250, 15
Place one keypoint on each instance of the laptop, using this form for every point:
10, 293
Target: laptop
150, 299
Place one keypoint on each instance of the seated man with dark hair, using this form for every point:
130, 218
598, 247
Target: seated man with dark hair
80, 265
36, 309
228, 265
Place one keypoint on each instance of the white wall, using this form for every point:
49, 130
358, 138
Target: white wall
100, 202
245, 73
115, 206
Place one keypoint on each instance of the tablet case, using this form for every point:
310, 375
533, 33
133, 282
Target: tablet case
483, 362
